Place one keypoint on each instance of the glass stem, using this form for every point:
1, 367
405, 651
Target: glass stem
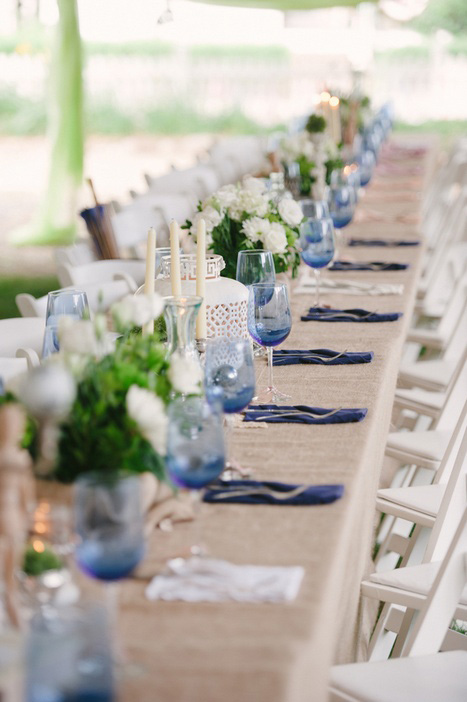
318, 281
270, 368
229, 423
197, 548
111, 597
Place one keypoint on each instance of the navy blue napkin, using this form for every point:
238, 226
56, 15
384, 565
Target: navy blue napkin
325, 314
289, 357
383, 242
313, 495
374, 266
268, 413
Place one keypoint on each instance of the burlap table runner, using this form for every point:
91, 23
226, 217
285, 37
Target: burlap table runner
282, 653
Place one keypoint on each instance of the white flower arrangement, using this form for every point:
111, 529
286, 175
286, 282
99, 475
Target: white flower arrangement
244, 216
148, 411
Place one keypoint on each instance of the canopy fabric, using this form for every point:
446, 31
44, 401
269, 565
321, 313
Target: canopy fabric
286, 5
56, 222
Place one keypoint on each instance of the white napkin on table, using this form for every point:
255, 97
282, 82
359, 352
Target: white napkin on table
211, 580
307, 284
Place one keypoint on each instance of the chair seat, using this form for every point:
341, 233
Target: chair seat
418, 579
427, 447
430, 375
418, 399
421, 498
440, 676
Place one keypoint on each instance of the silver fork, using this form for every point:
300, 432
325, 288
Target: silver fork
278, 495
290, 413
312, 355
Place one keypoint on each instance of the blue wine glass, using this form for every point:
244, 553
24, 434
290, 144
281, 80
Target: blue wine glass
230, 379
342, 201
314, 209
256, 266
318, 246
366, 160
61, 303
109, 529
269, 323
195, 449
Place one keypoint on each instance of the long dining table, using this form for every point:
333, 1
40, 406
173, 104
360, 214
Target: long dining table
237, 652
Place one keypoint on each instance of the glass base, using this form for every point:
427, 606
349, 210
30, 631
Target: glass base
271, 395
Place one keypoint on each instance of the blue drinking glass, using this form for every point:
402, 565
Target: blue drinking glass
269, 323
61, 303
68, 656
229, 378
195, 448
318, 246
109, 525
342, 201
109, 530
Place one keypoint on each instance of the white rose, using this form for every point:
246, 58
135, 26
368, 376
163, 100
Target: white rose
291, 212
275, 239
77, 336
185, 375
136, 310
254, 185
148, 411
255, 228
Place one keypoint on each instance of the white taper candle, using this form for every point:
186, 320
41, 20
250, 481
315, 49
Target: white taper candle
175, 278
149, 280
201, 328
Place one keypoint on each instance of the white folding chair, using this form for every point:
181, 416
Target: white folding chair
25, 333
100, 297
100, 271
424, 675
435, 515
11, 367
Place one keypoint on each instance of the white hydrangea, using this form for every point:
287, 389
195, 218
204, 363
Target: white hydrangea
136, 310
290, 211
255, 228
211, 216
148, 411
275, 239
226, 196
251, 203
185, 374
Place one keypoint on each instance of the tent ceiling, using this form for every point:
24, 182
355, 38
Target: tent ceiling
285, 5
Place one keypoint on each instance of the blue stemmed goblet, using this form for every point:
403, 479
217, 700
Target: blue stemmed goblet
269, 323
256, 266
342, 201
195, 449
318, 246
229, 379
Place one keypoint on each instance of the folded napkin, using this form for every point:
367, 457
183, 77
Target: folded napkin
383, 242
229, 491
302, 414
324, 314
210, 580
372, 266
326, 357
307, 284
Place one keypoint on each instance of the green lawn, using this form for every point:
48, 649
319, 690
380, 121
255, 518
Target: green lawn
10, 287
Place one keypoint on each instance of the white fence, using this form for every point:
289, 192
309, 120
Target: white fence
268, 91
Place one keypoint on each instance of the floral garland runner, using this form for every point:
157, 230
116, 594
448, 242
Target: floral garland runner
246, 216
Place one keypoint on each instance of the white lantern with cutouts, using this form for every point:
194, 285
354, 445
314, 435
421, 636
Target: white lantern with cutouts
226, 299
